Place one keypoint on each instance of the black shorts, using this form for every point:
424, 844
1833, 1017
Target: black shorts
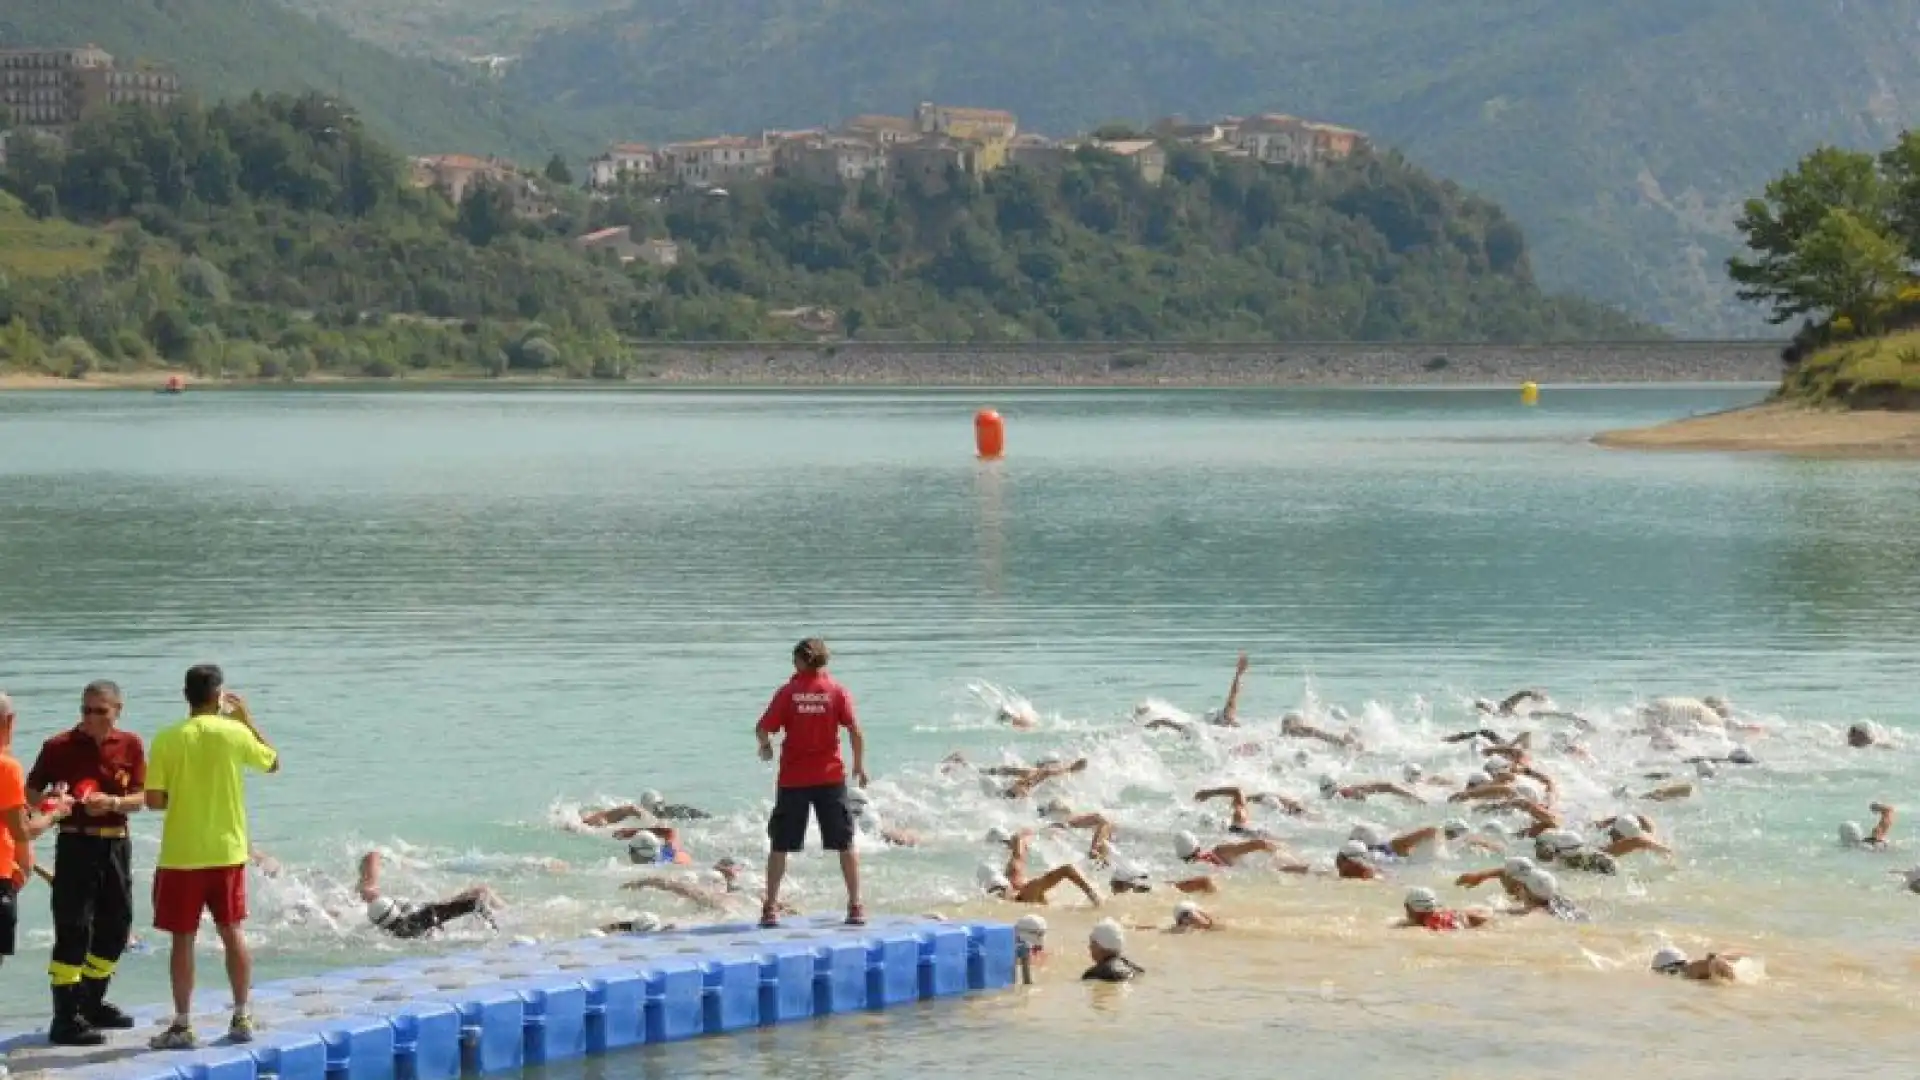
787, 828
427, 918
9, 917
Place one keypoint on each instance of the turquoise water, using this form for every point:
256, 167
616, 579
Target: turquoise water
464, 614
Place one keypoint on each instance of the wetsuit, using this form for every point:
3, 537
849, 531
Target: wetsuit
678, 812
1593, 862
92, 893
408, 920
1112, 969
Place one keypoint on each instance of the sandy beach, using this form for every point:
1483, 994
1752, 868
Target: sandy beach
1782, 429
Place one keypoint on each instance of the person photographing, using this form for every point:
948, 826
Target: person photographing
197, 775
104, 770
809, 712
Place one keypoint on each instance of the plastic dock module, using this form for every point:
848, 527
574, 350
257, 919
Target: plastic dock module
440, 1017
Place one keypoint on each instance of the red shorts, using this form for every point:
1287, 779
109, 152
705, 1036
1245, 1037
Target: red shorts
179, 896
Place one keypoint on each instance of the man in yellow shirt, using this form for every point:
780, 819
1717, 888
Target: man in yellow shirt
196, 773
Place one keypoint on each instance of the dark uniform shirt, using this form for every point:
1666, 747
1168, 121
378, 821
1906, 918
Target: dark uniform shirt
1112, 969
116, 766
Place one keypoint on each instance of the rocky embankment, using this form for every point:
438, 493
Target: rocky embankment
1278, 365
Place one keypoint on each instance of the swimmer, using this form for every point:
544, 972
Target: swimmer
1864, 733
654, 844
1511, 875
1668, 793
1030, 937
1851, 835
1127, 878
1333, 789
657, 805
1186, 848
1542, 893
1189, 917
1697, 714
1107, 946
1294, 726
1522, 741
1394, 848
1563, 847
1510, 705
1241, 824
1713, 967
866, 822
1739, 755
644, 923
1460, 831
1061, 816
1629, 833
1020, 717
1012, 884
1354, 862
1423, 910
733, 893
1028, 779
407, 920
1229, 714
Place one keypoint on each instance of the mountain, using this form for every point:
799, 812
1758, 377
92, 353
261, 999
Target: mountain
450, 28
224, 48
1622, 136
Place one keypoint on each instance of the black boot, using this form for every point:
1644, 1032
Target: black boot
69, 1028
96, 1010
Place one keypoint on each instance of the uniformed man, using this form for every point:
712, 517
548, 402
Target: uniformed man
104, 771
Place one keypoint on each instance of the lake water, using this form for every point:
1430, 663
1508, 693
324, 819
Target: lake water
464, 615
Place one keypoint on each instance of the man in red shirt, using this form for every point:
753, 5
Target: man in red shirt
811, 709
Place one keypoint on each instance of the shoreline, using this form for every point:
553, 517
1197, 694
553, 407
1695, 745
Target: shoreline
1358, 366
1780, 428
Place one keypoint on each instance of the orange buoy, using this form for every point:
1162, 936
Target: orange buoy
989, 434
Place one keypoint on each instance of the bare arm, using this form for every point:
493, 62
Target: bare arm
858, 741
240, 712
695, 893
1884, 827
15, 821
1230, 712
1205, 794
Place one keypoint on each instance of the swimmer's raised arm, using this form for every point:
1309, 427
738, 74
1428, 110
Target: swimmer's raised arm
1205, 794
1473, 879
1884, 827
1479, 733
1230, 712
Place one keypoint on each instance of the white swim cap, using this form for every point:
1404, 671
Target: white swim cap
1669, 957
1108, 937
1422, 901
1705, 769
1529, 789
1031, 931
1626, 827
1184, 911
644, 847
1455, 828
1478, 779
380, 910
652, 800
1499, 766
1559, 841
1541, 884
1353, 849
1518, 866
1128, 874
1328, 785
1370, 835
1851, 834
1185, 845
1050, 759
646, 923
1413, 772
998, 835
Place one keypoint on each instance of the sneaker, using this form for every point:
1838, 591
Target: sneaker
176, 1037
241, 1030
857, 915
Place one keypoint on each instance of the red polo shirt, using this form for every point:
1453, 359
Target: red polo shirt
811, 709
116, 766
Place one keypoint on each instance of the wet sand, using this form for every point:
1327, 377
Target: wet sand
1782, 429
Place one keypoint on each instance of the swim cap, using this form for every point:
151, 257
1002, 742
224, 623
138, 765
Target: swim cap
1413, 773
1056, 809
1108, 937
1354, 850
729, 865
644, 847
646, 923
381, 910
1185, 845
1626, 827
1478, 779
1669, 959
1860, 729
1031, 931
1329, 786
1559, 841
1851, 834
1455, 828
1184, 911
1422, 901
1541, 885
856, 801
998, 835
1740, 755
1127, 874
1717, 704
652, 800
1705, 769
1518, 866
1370, 835
1050, 759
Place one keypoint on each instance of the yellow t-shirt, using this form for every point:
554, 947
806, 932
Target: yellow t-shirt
199, 763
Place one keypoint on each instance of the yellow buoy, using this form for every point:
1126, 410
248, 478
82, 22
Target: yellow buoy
1529, 393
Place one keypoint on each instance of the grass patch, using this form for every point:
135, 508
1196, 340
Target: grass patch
30, 247
1873, 373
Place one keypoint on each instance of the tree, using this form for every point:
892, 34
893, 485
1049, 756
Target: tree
1849, 267
1901, 167
558, 172
1778, 225
486, 211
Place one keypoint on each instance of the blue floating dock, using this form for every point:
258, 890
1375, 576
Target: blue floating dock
466, 1014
